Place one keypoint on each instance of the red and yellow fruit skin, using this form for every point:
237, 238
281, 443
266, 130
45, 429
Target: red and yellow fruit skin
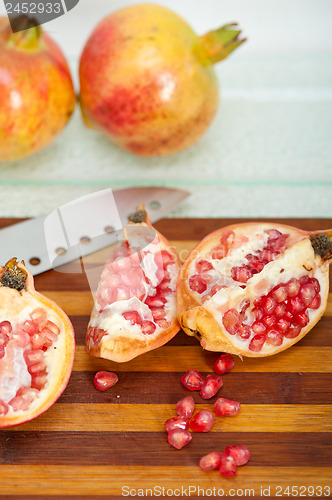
14, 301
197, 321
37, 95
146, 82
123, 348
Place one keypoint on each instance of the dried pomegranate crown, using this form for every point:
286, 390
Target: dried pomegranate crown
254, 289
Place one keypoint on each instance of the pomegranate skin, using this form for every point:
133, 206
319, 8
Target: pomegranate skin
37, 95
16, 302
147, 82
228, 320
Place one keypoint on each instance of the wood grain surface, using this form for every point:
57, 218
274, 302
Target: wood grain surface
96, 445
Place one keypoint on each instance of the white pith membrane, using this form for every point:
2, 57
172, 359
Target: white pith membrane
136, 277
17, 372
230, 290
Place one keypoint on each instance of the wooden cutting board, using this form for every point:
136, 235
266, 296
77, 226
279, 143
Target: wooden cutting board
104, 445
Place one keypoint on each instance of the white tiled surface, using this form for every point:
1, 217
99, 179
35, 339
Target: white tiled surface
268, 152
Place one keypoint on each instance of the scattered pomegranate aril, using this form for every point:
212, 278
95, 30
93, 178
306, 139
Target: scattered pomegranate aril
185, 407
223, 364
226, 407
211, 386
212, 461
227, 466
103, 380
178, 438
178, 422
202, 421
192, 380
240, 454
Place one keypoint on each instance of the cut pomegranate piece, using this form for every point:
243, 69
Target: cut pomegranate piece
211, 386
185, 407
178, 438
202, 421
36, 348
192, 380
274, 288
135, 304
178, 422
224, 364
240, 454
227, 465
226, 407
211, 461
104, 380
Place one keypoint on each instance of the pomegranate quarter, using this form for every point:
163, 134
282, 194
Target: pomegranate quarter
254, 289
36, 348
135, 302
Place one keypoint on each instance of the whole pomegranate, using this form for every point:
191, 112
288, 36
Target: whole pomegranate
36, 347
135, 303
254, 289
37, 95
147, 80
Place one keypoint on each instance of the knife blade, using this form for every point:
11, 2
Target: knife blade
82, 226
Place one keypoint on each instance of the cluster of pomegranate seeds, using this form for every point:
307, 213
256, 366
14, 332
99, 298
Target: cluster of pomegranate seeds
226, 462
282, 313
104, 380
256, 263
125, 277
30, 339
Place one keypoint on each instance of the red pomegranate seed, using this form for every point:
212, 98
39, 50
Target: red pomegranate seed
307, 293
104, 380
258, 314
269, 305
30, 327
226, 407
37, 341
197, 284
244, 331
293, 287
203, 266
133, 317
279, 293
156, 301
269, 321
211, 461
283, 325
295, 305
178, 438
216, 288
158, 314
39, 367
280, 310
163, 323
257, 342
241, 274
273, 337
240, 453
148, 327
202, 421
32, 357
192, 380
231, 321
315, 303
293, 332
38, 380
258, 327
39, 316
167, 258
5, 327
315, 283
301, 319
219, 252
177, 423
211, 386
4, 408
223, 364
185, 407
227, 466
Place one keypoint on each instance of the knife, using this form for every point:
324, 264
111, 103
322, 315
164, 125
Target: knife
82, 226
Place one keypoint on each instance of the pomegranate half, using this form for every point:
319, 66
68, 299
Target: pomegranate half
254, 289
135, 301
36, 347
